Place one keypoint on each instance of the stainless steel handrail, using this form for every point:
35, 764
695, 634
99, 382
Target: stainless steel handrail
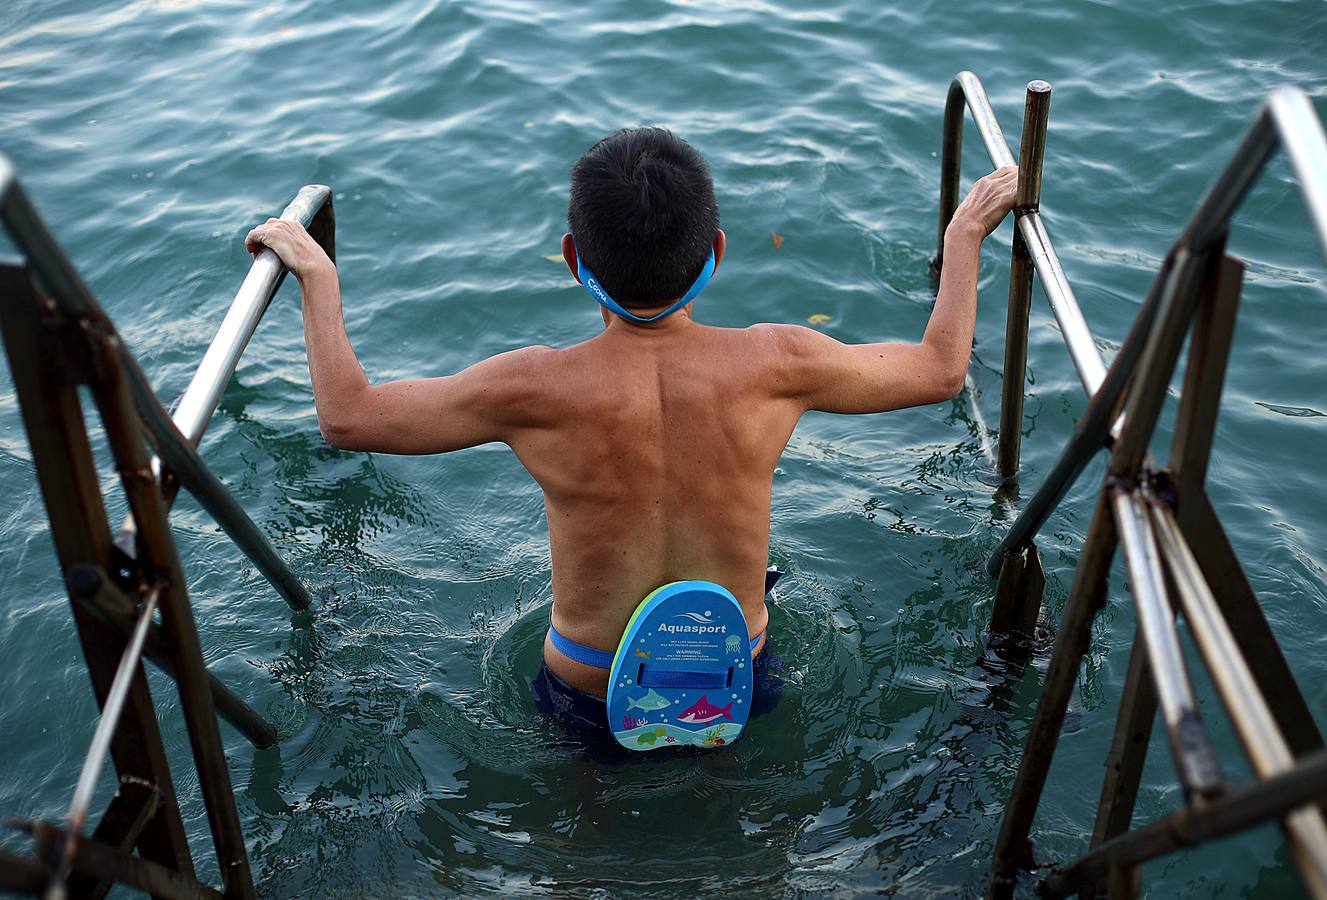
66, 291
967, 87
100, 745
1286, 119
1195, 759
1252, 717
193, 411
1094, 428
199, 400
1193, 273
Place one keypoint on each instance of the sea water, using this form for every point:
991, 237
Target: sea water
153, 134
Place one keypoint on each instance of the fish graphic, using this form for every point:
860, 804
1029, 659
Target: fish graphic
704, 712
650, 702
644, 654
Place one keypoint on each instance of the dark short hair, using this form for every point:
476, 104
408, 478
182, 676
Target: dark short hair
643, 214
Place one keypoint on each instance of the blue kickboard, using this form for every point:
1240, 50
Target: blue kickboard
682, 672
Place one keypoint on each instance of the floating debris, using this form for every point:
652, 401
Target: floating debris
1299, 412
776, 239
818, 318
554, 257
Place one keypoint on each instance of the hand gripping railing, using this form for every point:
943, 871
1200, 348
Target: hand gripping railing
176, 436
1032, 242
312, 208
57, 338
1171, 538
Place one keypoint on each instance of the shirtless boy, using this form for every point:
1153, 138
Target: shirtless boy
654, 442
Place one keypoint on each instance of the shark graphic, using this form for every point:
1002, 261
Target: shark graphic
650, 702
704, 712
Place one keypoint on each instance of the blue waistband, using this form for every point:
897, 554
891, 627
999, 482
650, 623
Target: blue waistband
603, 659
591, 656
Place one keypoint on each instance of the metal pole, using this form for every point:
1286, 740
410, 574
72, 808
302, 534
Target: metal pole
1253, 720
1287, 118
1073, 327
1157, 363
1090, 434
1012, 849
951, 158
1077, 336
50, 267
1018, 596
36, 343
1210, 544
1195, 425
1212, 217
1031, 150
70, 295
983, 116
99, 866
1241, 807
1204, 375
101, 745
90, 587
1015, 359
194, 474
1195, 758
201, 397
312, 208
1124, 764
1305, 144
159, 558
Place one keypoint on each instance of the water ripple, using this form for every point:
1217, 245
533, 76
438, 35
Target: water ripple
154, 134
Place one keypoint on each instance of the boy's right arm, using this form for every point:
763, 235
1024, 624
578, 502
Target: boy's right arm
477, 405
830, 376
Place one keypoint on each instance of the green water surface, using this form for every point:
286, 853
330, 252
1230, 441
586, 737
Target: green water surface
152, 134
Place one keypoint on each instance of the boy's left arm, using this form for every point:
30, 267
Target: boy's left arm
426, 415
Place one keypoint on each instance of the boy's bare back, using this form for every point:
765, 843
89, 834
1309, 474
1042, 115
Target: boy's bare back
656, 454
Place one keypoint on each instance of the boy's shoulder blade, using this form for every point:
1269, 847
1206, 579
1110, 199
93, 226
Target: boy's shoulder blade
782, 338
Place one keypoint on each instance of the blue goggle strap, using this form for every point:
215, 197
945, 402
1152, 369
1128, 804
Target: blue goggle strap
596, 290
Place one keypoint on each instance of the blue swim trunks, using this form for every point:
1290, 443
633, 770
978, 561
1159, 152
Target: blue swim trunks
585, 716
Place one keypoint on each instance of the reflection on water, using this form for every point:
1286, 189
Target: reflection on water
343, 498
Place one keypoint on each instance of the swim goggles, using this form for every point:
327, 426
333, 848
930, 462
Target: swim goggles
596, 290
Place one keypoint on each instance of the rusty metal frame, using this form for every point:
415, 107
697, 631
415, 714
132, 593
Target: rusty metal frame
1178, 557
57, 339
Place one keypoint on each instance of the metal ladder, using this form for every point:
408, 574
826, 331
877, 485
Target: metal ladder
57, 339
1173, 542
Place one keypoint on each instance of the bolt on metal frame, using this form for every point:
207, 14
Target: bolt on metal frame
57, 339
1172, 541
